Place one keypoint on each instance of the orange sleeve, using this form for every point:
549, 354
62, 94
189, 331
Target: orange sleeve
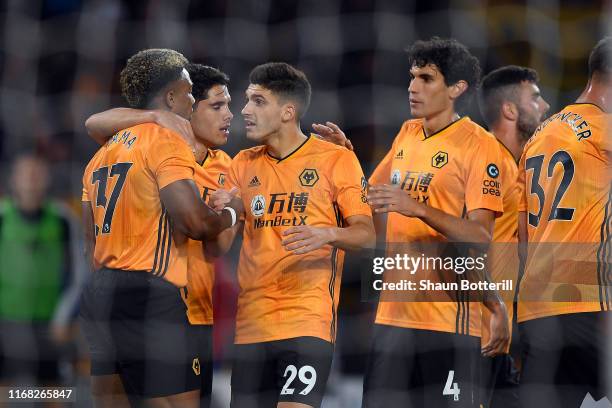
483, 181
522, 179
350, 185
382, 172
170, 159
86, 181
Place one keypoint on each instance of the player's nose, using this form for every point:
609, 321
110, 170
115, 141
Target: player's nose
245, 111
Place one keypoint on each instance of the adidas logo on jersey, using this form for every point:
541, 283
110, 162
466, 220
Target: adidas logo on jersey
400, 154
254, 182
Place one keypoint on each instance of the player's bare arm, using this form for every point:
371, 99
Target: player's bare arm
191, 215
359, 234
522, 238
223, 242
103, 125
498, 326
387, 198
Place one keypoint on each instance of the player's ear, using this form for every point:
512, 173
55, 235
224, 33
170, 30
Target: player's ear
170, 98
509, 111
289, 112
458, 88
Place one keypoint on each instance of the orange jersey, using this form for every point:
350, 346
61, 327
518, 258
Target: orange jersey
503, 253
201, 272
283, 295
122, 183
566, 174
455, 170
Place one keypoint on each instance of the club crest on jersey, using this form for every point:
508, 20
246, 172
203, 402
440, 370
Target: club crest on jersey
492, 170
439, 159
309, 177
254, 182
195, 365
258, 205
396, 175
221, 179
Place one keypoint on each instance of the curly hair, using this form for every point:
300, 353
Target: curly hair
147, 72
499, 86
204, 78
284, 80
452, 59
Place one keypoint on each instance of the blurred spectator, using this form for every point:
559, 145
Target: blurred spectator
40, 278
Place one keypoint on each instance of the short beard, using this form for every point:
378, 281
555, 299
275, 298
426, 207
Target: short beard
526, 125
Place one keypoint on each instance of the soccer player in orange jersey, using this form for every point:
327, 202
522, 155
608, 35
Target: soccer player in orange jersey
512, 107
305, 204
139, 201
210, 122
439, 183
565, 206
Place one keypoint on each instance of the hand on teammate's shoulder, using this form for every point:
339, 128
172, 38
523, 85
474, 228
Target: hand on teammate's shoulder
332, 133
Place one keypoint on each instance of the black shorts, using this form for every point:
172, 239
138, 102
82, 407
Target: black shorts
292, 370
499, 382
565, 358
205, 347
136, 326
421, 368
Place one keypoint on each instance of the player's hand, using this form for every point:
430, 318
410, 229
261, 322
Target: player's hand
305, 238
500, 334
177, 124
387, 198
332, 133
222, 198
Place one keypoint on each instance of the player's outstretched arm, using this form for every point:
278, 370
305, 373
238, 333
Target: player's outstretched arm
192, 216
102, 126
359, 234
477, 228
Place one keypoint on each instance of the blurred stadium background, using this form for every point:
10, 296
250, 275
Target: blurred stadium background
60, 61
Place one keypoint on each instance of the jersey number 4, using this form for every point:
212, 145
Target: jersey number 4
556, 212
100, 176
451, 388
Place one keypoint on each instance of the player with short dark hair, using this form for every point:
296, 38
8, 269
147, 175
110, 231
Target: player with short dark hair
306, 204
565, 298
504, 85
139, 203
511, 103
286, 82
210, 122
438, 185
